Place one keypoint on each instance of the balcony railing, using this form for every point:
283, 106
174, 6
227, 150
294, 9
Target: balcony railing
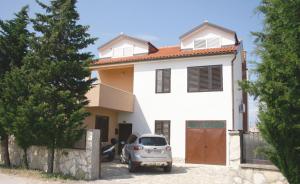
102, 95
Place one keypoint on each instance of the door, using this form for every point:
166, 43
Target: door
206, 142
102, 124
125, 130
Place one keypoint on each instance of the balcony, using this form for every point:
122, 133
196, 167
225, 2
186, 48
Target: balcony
102, 95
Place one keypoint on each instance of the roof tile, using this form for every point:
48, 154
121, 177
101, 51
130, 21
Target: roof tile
168, 53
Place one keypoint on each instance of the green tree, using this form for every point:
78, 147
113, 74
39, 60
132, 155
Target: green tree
13, 48
15, 97
278, 84
60, 68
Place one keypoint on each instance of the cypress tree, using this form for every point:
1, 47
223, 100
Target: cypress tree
13, 48
60, 69
278, 85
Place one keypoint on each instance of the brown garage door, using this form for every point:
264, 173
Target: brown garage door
206, 142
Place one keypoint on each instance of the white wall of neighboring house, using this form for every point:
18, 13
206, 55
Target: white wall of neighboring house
137, 47
237, 92
207, 32
179, 105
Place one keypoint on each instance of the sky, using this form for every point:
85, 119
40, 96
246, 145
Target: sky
159, 21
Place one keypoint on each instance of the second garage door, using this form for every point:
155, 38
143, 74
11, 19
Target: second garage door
206, 142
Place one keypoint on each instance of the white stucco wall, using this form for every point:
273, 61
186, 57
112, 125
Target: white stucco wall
237, 92
207, 32
138, 48
179, 105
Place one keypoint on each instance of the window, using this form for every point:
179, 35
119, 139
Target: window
206, 124
163, 81
200, 44
213, 42
152, 141
163, 128
205, 78
120, 52
128, 51
102, 124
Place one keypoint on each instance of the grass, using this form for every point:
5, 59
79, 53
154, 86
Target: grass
58, 176
21, 171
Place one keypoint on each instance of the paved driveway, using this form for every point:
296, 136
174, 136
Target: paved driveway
115, 173
181, 174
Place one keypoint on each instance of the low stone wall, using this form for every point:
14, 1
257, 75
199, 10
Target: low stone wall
250, 173
82, 164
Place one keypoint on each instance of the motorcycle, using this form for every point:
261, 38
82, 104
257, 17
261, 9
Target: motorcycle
108, 152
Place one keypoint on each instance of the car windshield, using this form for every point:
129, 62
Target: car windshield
153, 141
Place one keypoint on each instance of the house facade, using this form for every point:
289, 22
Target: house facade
188, 92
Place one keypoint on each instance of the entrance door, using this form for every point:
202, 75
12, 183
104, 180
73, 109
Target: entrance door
206, 142
102, 124
125, 130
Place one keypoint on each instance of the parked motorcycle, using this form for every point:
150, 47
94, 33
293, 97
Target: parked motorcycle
108, 152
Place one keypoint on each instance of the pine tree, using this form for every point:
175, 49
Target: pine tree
60, 69
13, 48
278, 85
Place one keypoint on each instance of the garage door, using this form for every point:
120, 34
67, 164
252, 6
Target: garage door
206, 142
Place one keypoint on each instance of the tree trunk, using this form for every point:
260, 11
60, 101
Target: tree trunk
25, 160
4, 150
50, 159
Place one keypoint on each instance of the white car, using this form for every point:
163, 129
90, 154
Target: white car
147, 150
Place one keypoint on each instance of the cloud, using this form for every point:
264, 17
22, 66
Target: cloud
147, 37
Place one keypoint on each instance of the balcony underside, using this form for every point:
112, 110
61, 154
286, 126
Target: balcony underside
106, 96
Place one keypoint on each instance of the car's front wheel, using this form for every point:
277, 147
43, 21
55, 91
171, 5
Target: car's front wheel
131, 166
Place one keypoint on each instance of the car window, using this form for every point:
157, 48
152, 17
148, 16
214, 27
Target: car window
153, 141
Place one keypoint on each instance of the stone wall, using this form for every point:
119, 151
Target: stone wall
250, 173
82, 164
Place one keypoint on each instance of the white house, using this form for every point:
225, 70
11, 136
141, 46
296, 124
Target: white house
188, 92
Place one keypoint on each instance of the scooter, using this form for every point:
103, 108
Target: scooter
108, 151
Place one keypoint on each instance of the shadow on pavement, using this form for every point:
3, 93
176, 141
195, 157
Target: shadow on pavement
115, 170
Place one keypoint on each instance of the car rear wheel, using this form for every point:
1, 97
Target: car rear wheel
131, 166
168, 168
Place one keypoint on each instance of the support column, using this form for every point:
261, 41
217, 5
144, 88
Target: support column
234, 149
93, 150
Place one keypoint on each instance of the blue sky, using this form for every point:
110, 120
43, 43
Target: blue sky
158, 21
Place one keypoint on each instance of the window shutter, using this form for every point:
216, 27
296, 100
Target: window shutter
159, 81
118, 52
163, 128
163, 80
200, 44
193, 79
203, 79
166, 80
213, 43
128, 51
216, 72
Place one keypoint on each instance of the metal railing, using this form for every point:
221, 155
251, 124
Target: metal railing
252, 148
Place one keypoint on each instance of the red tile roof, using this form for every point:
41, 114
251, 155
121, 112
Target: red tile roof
168, 53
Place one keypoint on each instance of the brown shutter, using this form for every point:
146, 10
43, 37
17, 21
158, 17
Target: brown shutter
193, 79
204, 78
216, 77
